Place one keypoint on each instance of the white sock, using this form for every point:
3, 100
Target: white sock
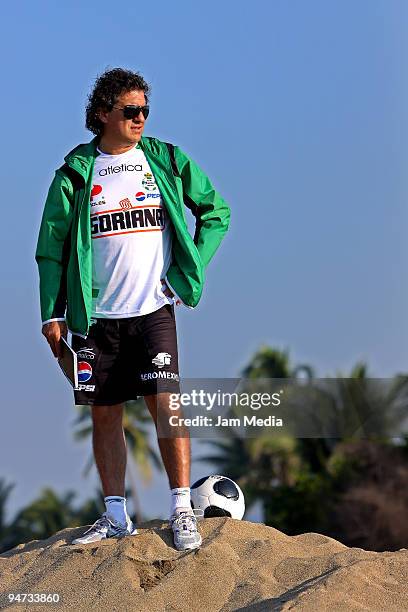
116, 508
180, 499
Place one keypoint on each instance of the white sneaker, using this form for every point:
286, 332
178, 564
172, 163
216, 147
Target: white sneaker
185, 532
103, 528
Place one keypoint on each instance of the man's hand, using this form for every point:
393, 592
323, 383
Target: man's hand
167, 291
53, 332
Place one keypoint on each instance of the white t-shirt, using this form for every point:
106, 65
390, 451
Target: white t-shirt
131, 237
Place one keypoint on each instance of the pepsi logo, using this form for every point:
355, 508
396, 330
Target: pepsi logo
140, 196
84, 371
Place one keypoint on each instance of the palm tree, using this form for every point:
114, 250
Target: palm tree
299, 481
262, 463
140, 453
46, 515
356, 406
274, 363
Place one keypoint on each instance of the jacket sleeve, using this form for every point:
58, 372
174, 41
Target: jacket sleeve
53, 248
211, 211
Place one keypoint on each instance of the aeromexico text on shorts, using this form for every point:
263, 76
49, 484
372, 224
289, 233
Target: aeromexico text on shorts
153, 375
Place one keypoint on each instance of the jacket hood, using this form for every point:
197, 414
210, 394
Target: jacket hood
82, 156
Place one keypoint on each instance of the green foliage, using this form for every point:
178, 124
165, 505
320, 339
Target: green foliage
345, 486
331, 484
304, 506
274, 363
46, 515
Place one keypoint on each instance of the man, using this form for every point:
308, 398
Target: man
114, 254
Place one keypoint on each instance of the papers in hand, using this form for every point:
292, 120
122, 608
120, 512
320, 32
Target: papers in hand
69, 363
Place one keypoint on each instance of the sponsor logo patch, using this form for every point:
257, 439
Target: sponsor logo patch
136, 219
96, 190
125, 204
84, 371
141, 195
121, 168
86, 353
161, 359
149, 182
155, 375
86, 387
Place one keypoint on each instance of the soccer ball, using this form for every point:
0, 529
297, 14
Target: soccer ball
218, 496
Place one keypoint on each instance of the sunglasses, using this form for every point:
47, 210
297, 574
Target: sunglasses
131, 111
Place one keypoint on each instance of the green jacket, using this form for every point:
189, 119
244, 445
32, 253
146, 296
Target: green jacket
64, 250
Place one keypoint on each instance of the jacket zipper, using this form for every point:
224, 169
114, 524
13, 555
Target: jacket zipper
80, 206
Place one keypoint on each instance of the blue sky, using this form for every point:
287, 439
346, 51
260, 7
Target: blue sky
298, 113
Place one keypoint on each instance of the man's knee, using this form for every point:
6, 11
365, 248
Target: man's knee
159, 404
107, 415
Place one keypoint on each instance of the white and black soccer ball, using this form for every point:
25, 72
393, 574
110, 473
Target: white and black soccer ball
218, 496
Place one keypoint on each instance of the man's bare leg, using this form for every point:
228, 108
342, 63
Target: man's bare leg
176, 455
109, 447
175, 452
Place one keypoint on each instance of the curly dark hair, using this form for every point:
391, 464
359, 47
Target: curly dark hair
108, 86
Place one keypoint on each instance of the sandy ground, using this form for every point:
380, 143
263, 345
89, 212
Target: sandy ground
240, 566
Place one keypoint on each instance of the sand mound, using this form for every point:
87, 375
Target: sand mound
240, 566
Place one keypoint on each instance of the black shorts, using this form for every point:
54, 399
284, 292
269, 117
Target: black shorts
122, 359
